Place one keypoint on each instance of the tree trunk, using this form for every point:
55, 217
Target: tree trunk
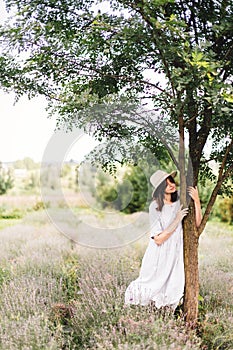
191, 269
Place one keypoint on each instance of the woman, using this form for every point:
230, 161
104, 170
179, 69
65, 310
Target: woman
161, 278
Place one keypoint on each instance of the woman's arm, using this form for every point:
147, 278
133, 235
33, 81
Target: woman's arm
165, 234
193, 192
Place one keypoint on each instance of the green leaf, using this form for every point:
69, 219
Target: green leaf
197, 56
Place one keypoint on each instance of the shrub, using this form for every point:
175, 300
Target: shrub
4, 275
129, 195
224, 210
69, 279
6, 180
41, 205
14, 213
32, 181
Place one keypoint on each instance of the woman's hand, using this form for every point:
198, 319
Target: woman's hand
158, 240
193, 192
165, 234
181, 213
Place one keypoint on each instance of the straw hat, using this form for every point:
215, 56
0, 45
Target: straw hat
159, 176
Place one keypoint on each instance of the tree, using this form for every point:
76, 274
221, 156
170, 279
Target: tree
128, 194
26, 163
32, 181
6, 180
224, 210
79, 57
138, 181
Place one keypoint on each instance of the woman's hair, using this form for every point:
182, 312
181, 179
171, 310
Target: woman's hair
158, 193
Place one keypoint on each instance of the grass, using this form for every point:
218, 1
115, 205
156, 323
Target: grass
216, 281
55, 295
8, 222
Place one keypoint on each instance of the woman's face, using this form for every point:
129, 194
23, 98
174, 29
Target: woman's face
171, 187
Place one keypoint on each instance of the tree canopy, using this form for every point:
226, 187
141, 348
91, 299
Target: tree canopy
81, 53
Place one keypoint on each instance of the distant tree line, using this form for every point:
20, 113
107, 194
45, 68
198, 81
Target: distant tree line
26, 163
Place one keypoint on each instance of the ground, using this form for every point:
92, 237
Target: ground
56, 294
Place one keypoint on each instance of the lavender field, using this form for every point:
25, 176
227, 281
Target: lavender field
55, 294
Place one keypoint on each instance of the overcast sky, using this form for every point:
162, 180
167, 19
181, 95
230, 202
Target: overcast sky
25, 129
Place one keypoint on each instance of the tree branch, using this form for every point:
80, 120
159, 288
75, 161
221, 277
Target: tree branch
221, 177
87, 66
170, 153
157, 42
192, 17
182, 161
228, 172
150, 125
190, 120
204, 131
228, 149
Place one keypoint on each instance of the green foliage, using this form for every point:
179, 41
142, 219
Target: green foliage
105, 191
40, 205
32, 182
69, 277
4, 275
224, 210
205, 189
11, 213
128, 194
6, 180
66, 170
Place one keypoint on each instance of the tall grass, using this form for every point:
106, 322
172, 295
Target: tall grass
54, 295
216, 281
102, 321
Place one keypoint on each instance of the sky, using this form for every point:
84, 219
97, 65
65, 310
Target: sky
26, 129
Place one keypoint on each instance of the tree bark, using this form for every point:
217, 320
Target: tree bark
191, 268
190, 239
182, 162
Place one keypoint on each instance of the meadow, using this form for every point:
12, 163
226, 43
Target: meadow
55, 294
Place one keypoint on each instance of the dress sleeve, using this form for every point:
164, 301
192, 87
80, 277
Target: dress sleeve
155, 222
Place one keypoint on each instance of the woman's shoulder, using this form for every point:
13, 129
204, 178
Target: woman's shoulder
153, 205
171, 207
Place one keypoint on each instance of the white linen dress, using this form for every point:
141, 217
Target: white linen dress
161, 277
